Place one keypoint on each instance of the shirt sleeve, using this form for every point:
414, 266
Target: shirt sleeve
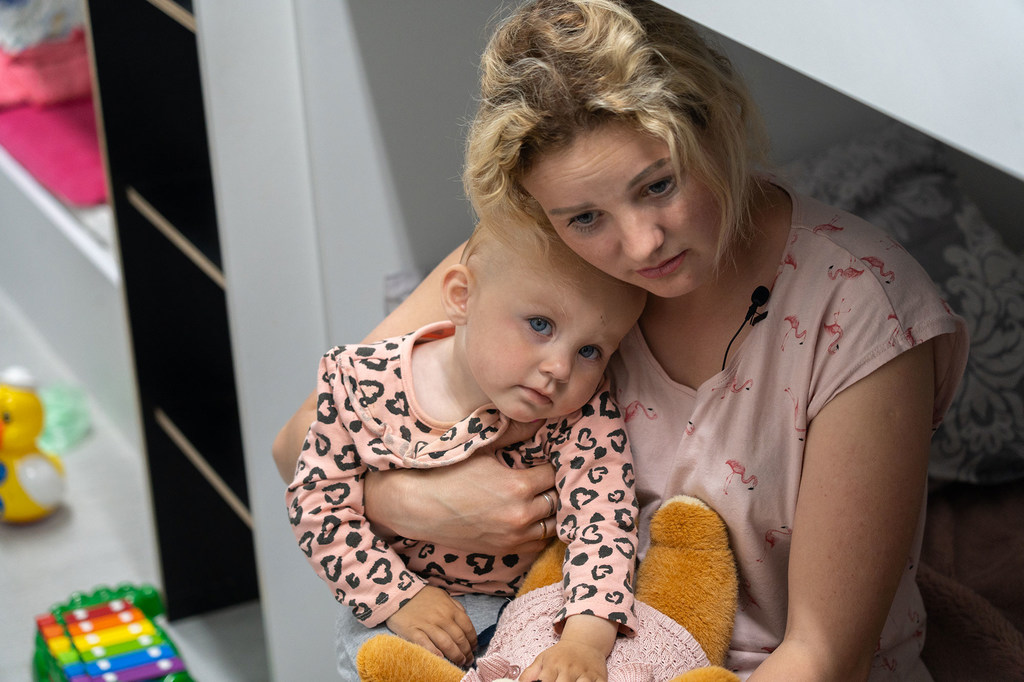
325, 502
870, 308
597, 512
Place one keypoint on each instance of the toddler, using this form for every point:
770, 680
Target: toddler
531, 330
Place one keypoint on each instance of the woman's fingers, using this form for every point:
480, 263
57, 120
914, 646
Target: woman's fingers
477, 505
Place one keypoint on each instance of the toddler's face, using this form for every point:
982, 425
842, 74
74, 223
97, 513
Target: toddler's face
537, 347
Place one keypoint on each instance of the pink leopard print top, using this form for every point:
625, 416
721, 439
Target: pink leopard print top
368, 420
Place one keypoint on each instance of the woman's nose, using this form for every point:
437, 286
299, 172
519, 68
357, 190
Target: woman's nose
641, 236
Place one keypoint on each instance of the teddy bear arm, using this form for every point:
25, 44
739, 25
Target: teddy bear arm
389, 658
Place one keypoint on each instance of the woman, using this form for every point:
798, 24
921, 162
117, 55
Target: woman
615, 125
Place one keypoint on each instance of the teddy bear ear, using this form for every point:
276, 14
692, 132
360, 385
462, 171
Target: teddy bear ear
546, 568
689, 573
387, 658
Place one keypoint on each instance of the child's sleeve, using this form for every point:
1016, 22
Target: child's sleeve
325, 503
597, 514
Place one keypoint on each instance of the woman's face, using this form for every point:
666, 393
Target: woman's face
615, 199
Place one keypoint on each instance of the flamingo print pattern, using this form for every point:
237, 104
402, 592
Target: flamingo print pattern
637, 408
873, 261
733, 388
836, 329
849, 272
798, 334
738, 470
830, 226
771, 536
800, 431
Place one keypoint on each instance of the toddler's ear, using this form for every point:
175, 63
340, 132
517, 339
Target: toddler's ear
455, 287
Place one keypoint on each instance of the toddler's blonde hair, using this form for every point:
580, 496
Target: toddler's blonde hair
495, 244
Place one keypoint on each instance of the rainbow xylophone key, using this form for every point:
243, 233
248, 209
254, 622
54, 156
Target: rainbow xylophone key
106, 637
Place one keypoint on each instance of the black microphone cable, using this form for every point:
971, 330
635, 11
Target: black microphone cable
757, 299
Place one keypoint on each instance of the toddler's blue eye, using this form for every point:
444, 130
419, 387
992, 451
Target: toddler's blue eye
590, 352
540, 325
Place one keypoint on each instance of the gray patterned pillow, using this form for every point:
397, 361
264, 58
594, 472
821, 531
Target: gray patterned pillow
899, 180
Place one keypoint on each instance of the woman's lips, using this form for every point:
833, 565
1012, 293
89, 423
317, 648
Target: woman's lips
664, 268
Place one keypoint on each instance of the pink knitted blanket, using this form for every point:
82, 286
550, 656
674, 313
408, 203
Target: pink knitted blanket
660, 650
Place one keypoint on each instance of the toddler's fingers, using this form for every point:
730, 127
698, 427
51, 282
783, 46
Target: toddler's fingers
453, 644
462, 621
419, 637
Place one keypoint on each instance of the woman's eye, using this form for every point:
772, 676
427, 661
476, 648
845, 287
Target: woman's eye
583, 220
540, 325
590, 352
660, 187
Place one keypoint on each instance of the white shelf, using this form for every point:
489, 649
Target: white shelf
65, 221
951, 69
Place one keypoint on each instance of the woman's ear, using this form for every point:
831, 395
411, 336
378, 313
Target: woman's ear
455, 285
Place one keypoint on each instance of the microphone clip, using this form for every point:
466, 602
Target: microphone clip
757, 299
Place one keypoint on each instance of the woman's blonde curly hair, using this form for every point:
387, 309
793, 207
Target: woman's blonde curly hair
557, 68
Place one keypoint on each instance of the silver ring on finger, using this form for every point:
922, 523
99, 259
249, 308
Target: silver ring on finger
551, 502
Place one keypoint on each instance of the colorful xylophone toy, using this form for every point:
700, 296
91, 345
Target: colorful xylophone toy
107, 636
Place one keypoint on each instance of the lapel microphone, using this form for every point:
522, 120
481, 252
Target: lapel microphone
757, 299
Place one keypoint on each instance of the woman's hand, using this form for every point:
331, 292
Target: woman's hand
477, 505
438, 623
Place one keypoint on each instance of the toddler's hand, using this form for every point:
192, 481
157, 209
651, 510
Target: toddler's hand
438, 623
579, 656
568, 662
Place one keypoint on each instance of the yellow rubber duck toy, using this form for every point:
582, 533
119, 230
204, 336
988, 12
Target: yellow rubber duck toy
31, 482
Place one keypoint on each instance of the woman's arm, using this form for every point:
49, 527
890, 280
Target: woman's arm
422, 306
861, 494
288, 442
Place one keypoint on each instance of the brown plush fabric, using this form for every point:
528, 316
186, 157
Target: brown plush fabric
972, 581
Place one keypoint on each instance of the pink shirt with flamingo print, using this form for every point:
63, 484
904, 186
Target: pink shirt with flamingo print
846, 299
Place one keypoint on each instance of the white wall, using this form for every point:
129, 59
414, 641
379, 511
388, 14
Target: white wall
388, 88
256, 121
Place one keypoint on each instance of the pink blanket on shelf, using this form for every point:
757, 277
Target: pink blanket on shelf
47, 73
59, 146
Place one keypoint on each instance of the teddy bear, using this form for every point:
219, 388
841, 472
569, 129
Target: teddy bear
686, 591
